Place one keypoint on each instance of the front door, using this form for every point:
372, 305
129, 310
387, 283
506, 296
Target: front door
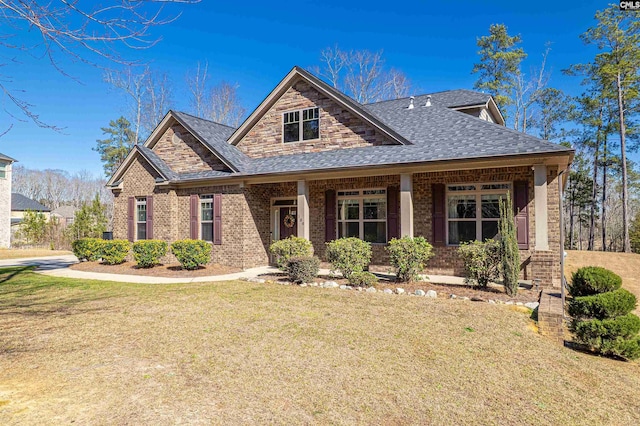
288, 222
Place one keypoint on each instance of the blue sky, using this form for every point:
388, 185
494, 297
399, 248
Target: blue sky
254, 44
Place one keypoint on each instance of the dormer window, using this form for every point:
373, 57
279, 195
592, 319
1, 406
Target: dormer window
310, 129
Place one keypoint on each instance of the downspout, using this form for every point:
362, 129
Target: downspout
560, 204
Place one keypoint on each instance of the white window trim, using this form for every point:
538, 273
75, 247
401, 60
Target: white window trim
300, 128
202, 199
3, 170
361, 220
478, 193
139, 202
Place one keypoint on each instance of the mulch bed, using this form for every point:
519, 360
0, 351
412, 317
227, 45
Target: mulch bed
167, 271
525, 294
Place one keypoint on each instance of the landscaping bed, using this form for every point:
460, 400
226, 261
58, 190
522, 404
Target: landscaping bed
173, 270
494, 292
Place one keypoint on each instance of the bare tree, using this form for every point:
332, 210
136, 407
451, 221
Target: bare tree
87, 32
197, 85
159, 99
361, 74
134, 86
526, 92
224, 105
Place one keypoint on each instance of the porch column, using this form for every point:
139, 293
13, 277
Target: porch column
406, 205
303, 209
540, 202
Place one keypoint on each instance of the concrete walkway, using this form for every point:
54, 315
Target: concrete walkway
58, 266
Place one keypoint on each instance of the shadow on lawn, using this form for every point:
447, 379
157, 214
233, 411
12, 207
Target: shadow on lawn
23, 292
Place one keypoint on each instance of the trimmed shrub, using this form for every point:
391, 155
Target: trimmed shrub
509, 250
147, 253
604, 305
593, 280
409, 256
191, 253
114, 252
595, 331
87, 249
290, 247
481, 262
349, 255
303, 269
625, 348
363, 279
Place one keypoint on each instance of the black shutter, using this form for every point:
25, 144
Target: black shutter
439, 221
330, 215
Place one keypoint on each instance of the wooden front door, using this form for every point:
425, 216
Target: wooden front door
288, 222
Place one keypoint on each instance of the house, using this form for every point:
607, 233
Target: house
310, 161
21, 204
5, 200
65, 214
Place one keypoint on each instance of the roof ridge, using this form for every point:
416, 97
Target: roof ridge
204, 119
425, 94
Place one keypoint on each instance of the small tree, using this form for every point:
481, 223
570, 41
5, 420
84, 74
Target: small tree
90, 221
33, 227
509, 247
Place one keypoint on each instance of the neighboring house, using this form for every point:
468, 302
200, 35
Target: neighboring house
66, 214
19, 205
310, 161
5, 200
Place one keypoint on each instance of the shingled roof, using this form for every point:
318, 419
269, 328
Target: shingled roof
6, 158
428, 133
20, 203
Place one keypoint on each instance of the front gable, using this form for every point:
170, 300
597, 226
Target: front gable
183, 153
339, 128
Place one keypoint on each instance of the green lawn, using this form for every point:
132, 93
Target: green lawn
246, 353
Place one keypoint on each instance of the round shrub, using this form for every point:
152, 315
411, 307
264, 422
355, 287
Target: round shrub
409, 256
594, 331
114, 252
191, 253
593, 280
349, 255
363, 279
481, 262
147, 253
604, 305
290, 247
87, 249
625, 348
303, 269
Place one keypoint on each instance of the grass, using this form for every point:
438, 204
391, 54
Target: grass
627, 265
19, 253
238, 352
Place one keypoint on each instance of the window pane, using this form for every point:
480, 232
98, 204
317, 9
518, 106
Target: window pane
489, 229
142, 213
348, 229
491, 206
461, 187
374, 191
462, 206
310, 130
207, 231
341, 193
496, 186
460, 232
375, 232
207, 212
291, 132
375, 208
142, 231
348, 209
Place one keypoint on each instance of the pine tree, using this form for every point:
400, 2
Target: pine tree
115, 148
499, 64
509, 247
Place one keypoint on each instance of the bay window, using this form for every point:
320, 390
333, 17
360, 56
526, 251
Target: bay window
363, 214
473, 211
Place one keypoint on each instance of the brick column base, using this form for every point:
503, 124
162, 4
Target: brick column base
545, 269
550, 316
